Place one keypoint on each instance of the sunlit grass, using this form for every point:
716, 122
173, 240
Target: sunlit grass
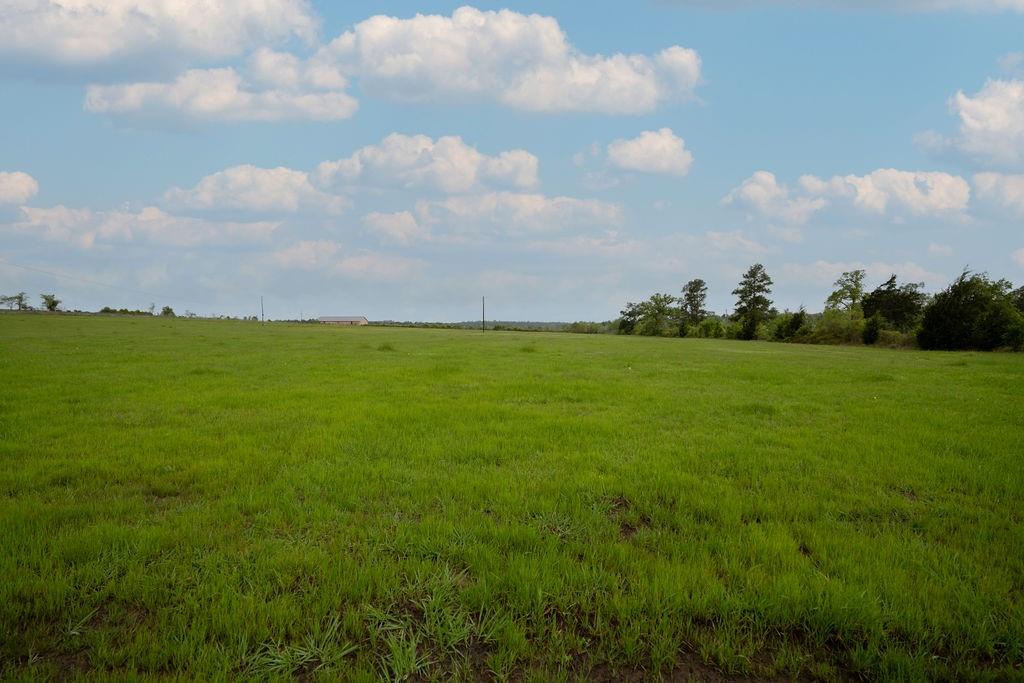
214, 499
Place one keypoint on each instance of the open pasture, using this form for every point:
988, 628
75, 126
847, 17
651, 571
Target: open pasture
209, 499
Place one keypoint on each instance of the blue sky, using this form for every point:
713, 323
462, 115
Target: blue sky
399, 160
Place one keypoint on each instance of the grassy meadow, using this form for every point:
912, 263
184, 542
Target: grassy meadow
206, 499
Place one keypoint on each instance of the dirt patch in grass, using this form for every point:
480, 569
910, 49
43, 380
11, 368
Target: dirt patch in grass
629, 524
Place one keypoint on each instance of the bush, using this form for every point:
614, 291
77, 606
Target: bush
872, 329
838, 327
788, 326
709, 328
747, 328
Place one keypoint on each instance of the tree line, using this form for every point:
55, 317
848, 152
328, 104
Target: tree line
50, 302
973, 312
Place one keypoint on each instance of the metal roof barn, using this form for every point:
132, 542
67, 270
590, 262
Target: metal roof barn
344, 320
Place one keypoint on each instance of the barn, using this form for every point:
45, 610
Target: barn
344, 320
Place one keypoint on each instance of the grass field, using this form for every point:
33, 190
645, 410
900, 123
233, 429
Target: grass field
214, 499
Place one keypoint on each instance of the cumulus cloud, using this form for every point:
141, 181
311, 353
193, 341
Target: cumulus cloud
1018, 257
510, 212
761, 193
918, 192
86, 228
660, 151
417, 161
884, 190
1003, 190
86, 35
250, 188
200, 95
992, 122
398, 228
522, 61
17, 187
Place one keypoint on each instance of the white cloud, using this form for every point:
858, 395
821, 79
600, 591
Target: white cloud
940, 249
250, 188
200, 95
1004, 190
376, 267
660, 151
100, 33
510, 212
991, 122
918, 192
417, 161
307, 255
329, 257
85, 228
17, 187
881, 191
763, 194
398, 228
522, 61
825, 272
1018, 257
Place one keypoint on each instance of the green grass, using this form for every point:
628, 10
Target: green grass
210, 499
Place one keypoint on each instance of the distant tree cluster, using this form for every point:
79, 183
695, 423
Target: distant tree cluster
19, 302
50, 302
974, 312
16, 302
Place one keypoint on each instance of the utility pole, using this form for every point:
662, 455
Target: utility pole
263, 318
483, 313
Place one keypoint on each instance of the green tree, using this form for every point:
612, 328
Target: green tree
752, 303
899, 305
167, 311
974, 312
849, 291
629, 317
691, 305
1017, 297
18, 301
50, 301
656, 316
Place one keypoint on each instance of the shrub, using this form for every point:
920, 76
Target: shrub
872, 329
710, 328
838, 327
788, 326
